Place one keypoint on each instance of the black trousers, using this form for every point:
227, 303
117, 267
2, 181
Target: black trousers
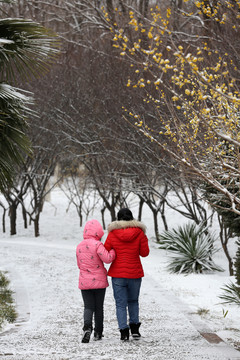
93, 304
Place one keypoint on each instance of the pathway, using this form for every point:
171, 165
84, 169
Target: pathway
50, 314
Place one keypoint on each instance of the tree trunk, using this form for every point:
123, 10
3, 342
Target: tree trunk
140, 208
112, 212
163, 216
103, 220
24, 214
230, 262
224, 241
36, 225
79, 210
155, 213
13, 218
4, 220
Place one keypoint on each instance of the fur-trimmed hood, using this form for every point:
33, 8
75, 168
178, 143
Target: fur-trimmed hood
123, 224
129, 241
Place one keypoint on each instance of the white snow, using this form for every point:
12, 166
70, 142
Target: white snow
44, 276
5, 41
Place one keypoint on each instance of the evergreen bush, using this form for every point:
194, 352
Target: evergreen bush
237, 264
7, 309
191, 247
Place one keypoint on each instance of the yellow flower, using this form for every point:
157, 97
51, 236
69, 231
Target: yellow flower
168, 12
150, 35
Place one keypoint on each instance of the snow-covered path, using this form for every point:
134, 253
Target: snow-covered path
50, 306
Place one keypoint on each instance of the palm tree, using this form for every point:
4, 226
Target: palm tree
26, 50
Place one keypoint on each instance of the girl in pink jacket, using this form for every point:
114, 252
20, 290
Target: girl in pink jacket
93, 277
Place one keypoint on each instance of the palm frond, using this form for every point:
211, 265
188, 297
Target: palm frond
231, 294
191, 248
14, 109
26, 48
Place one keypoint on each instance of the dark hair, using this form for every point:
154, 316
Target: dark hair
125, 214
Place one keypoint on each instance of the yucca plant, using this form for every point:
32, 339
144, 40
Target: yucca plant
191, 247
231, 294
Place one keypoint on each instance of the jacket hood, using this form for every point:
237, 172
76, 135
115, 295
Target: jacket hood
123, 224
93, 229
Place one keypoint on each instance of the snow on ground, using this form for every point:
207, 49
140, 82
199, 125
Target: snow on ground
45, 277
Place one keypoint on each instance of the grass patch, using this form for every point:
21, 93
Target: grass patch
202, 311
7, 309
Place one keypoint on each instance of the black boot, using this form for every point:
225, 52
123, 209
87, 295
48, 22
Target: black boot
86, 334
124, 334
98, 335
135, 330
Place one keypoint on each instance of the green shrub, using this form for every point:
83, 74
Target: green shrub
191, 247
4, 282
7, 309
237, 264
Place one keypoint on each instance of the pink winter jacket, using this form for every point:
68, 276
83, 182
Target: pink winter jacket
91, 254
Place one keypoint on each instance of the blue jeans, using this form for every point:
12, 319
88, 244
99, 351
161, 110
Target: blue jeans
126, 294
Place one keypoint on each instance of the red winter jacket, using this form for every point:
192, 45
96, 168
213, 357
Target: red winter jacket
129, 241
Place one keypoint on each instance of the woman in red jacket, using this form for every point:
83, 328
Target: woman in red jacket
127, 237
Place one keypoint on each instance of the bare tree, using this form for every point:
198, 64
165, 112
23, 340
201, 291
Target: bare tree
76, 185
39, 169
14, 196
189, 201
